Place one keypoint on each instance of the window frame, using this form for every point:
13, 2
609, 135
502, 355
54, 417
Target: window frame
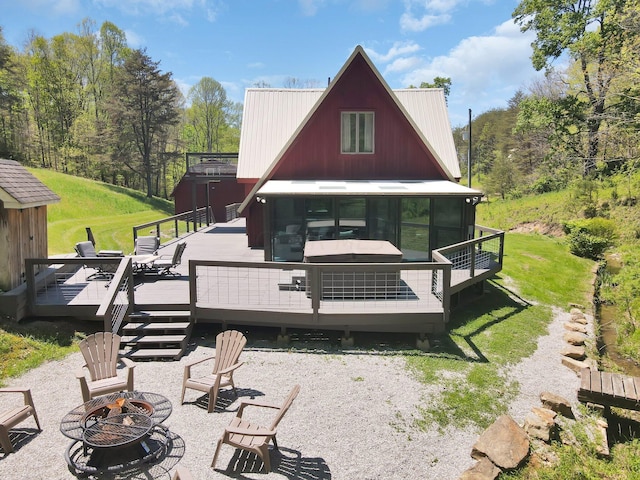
361, 115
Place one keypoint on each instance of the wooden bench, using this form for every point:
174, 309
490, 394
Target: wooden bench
609, 389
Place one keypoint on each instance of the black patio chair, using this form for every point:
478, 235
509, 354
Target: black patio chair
164, 264
105, 271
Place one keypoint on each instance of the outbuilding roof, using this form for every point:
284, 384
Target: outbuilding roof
19, 189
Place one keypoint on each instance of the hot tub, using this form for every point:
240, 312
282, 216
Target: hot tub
381, 281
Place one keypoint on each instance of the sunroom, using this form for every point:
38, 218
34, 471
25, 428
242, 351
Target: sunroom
415, 216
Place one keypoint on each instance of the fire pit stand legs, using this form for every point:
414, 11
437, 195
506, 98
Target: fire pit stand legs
84, 460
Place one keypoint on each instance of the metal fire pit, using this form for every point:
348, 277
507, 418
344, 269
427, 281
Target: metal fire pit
117, 430
154, 447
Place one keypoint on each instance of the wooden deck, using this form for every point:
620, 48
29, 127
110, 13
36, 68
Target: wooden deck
609, 389
230, 282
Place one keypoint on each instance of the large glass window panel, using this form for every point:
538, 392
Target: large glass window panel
352, 223
447, 222
321, 222
287, 231
447, 212
414, 235
382, 219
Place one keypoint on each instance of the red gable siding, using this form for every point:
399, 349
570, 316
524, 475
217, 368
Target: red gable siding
399, 152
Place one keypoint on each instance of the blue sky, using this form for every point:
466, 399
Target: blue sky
242, 42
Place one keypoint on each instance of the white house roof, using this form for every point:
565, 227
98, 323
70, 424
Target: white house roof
271, 117
365, 187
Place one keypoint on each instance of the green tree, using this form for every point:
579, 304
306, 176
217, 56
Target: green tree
143, 106
10, 104
438, 82
207, 114
589, 32
503, 177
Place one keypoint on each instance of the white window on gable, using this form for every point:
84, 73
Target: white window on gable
357, 132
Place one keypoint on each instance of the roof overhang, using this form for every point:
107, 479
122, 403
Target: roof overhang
11, 203
431, 188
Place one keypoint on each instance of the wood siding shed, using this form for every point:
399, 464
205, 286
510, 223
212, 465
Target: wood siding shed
23, 221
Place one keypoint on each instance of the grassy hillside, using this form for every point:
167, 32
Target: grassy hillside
614, 198
110, 211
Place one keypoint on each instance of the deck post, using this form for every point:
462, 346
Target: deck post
316, 290
446, 292
472, 267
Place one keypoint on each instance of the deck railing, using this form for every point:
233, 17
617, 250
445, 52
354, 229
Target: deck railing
473, 260
231, 211
393, 296
169, 228
119, 299
100, 287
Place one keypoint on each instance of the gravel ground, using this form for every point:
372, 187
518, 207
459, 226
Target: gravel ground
353, 418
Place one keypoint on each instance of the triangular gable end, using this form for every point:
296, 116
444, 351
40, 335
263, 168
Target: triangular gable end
277, 164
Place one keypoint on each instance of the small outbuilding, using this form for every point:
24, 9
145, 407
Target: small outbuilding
209, 181
23, 221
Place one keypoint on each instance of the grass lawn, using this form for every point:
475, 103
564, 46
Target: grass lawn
500, 328
109, 211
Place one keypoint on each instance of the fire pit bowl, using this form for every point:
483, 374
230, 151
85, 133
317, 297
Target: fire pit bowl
120, 405
118, 430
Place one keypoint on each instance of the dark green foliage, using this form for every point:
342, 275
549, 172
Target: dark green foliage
589, 238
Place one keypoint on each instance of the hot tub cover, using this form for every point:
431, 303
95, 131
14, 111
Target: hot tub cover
351, 250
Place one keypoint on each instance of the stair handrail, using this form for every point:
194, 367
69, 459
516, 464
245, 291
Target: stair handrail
119, 300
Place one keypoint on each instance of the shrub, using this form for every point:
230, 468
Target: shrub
589, 238
547, 184
590, 211
587, 246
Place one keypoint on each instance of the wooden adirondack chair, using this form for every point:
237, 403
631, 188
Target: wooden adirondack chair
244, 434
15, 416
100, 352
181, 473
229, 345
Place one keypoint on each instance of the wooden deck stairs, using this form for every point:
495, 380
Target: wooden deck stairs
156, 334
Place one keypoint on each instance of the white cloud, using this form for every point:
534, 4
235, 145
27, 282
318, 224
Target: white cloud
484, 70
310, 7
413, 24
133, 39
178, 19
175, 10
255, 65
402, 65
398, 49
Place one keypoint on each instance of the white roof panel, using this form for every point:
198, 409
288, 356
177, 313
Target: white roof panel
270, 118
365, 187
427, 107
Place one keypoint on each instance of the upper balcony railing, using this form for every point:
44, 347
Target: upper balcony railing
173, 227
